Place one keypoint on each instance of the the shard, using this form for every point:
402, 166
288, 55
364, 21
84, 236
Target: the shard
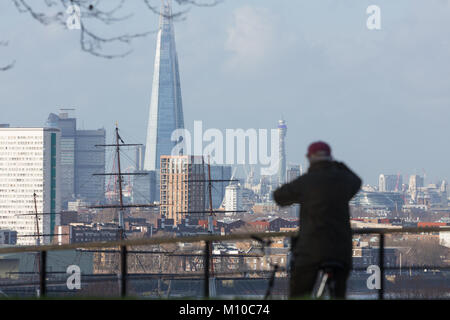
166, 109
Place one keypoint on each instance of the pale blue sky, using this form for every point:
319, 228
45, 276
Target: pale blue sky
380, 98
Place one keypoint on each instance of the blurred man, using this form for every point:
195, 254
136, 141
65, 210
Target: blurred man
325, 233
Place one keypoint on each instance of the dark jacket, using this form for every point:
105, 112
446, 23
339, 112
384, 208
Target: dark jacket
323, 194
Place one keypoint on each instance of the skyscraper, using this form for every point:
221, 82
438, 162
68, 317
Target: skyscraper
80, 159
233, 197
166, 109
68, 127
282, 128
30, 164
389, 182
89, 160
415, 182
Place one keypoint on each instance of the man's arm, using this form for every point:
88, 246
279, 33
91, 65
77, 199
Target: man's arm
289, 193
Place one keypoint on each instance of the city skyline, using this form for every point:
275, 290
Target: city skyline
144, 164
417, 120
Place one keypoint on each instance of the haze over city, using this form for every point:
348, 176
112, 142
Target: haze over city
380, 98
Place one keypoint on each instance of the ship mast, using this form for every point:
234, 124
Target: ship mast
117, 145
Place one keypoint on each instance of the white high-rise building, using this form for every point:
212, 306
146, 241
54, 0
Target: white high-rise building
30, 163
415, 182
389, 182
233, 199
282, 129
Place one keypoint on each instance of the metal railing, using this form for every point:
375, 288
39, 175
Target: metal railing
123, 246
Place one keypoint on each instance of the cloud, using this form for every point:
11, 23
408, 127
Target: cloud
251, 37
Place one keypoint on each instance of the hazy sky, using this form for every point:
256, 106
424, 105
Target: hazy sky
381, 98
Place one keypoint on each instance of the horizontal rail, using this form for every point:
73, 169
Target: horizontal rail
192, 239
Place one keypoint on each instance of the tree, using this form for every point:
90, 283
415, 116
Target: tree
89, 17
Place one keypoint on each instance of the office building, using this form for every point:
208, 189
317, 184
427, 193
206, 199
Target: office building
182, 191
68, 127
89, 160
30, 164
233, 198
80, 159
389, 182
415, 182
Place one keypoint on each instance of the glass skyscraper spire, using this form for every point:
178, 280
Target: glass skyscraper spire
166, 109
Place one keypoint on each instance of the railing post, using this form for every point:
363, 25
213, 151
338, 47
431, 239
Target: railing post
381, 263
42, 273
206, 269
123, 271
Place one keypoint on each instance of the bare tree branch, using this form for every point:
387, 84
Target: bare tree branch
10, 65
91, 12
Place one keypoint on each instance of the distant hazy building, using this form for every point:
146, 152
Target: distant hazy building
80, 159
182, 188
233, 197
76, 205
29, 163
89, 160
144, 187
139, 158
68, 127
415, 182
282, 128
266, 186
374, 201
218, 172
389, 182
444, 193
293, 173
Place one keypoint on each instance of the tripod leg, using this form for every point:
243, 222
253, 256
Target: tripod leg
320, 284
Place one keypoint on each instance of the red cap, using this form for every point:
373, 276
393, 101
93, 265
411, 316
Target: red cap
319, 147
